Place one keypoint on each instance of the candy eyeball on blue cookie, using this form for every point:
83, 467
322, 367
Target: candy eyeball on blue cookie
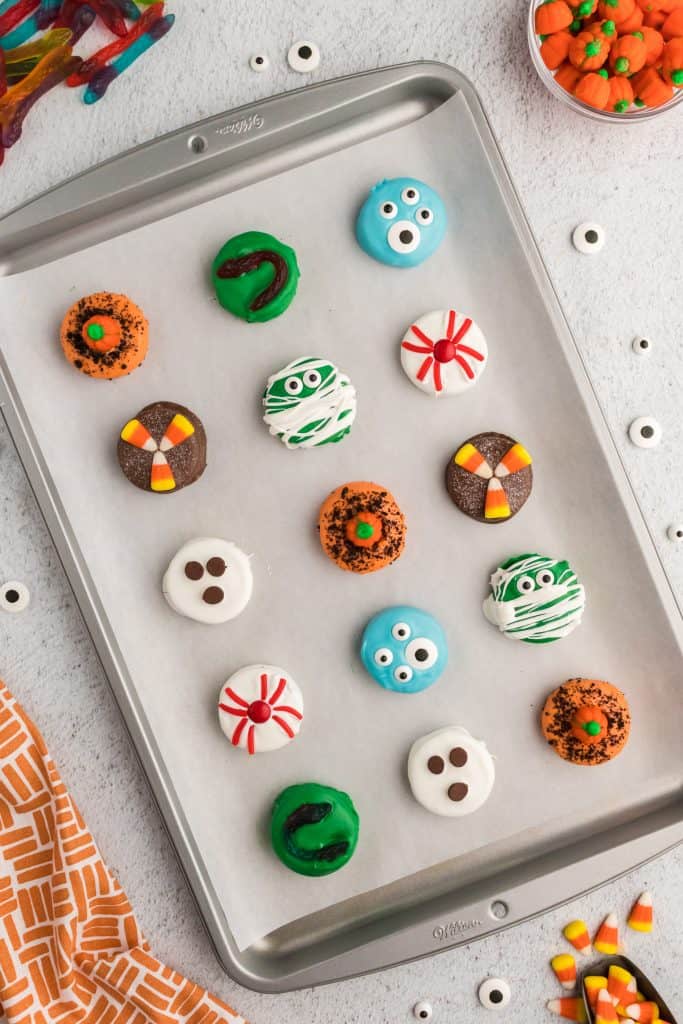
404, 649
402, 222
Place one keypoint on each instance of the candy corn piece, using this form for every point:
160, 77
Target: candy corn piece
607, 939
161, 477
473, 461
137, 435
514, 460
564, 966
640, 918
496, 504
593, 985
576, 932
605, 1010
178, 430
629, 996
644, 1012
619, 980
569, 1007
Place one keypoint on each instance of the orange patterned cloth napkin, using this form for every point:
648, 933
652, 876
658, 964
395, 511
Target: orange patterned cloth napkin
71, 950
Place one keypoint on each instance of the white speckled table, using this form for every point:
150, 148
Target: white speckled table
567, 169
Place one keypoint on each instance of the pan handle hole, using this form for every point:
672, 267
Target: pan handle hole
499, 909
197, 143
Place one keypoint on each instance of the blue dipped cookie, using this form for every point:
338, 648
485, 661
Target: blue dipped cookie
401, 223
404, 649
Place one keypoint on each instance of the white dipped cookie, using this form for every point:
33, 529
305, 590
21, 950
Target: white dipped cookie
450, 772
209, 580
260, 708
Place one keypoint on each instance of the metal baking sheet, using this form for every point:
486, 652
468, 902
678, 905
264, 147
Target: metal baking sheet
148, 224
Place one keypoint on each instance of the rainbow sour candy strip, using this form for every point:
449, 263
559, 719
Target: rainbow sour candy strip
101, 80
98, 60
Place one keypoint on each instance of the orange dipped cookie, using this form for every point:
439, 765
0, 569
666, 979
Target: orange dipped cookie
362, 529
105, 335
586, 721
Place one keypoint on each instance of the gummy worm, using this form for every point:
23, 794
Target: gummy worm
128, 9
15, 14
20, 62
17, 101
311, 814
110, 15
103, 56
3, 74
47, 12
244, 264
76, 16
101, 80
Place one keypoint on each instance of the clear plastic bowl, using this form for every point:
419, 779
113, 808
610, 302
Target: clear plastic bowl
632, 116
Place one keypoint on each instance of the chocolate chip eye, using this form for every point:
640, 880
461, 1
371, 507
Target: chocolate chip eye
457, 792
216, 566
436, 764
212, 595
194, 570
458, 757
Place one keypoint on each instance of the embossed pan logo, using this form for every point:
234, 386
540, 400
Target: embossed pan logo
241, 127
452, 929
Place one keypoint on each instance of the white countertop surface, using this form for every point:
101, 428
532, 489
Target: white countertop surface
567, 169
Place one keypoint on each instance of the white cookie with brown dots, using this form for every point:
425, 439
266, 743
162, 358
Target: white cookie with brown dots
209, 580
450, 772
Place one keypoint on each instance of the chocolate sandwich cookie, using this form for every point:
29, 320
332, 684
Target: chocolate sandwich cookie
314, 828
163, 448
105, 335
586, 721
362, 529
490, 477
255, 276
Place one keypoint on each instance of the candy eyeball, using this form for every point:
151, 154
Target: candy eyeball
403, 237
588, 238
403, 674
422, 653
641, 346
410, 196
545, 578
293, 386
388, 210
675, 532
14, 597
494, 993
303, 57
645, 432
401, 631
383, 656
425, 215
259, 62
525, 584
423, 1010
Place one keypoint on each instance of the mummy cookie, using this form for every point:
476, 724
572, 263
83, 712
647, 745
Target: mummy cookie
163, 448
444, 353
490, 477
260, 708
401, 223
255, 276
534, 598
362, 529
309, 403
208, 580
105, 335
314, 828
450, 772
586, 721
404, 649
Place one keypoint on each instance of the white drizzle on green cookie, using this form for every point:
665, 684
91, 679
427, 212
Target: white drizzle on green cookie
535, 599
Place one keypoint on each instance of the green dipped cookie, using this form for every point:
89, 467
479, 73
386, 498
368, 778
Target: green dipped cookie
255, 276
314, 828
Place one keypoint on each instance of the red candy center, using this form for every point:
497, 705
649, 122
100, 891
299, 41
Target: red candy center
259, 711
444, 351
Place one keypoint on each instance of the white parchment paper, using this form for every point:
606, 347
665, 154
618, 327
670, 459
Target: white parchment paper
306, 614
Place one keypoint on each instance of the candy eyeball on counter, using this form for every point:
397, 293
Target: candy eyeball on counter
401, 223
588, 238
14, 597
303, 57
423, 1010
494, 993
675, 532
404, 649
641, 346
259, 62
645, 432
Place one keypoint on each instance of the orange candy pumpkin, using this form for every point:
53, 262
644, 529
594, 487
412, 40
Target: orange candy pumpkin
654, 44
567, 76
589, 724
649, 5
554, 48
620, 94
672, 62
650, 88
593, 89
616, 10
673, 26
584, 9
588, 52
633, 23
553, 16
628, 55
605, 28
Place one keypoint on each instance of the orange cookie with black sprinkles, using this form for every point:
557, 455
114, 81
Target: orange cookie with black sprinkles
105, 335
163, 448
490, 477
586, 721
362, 529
